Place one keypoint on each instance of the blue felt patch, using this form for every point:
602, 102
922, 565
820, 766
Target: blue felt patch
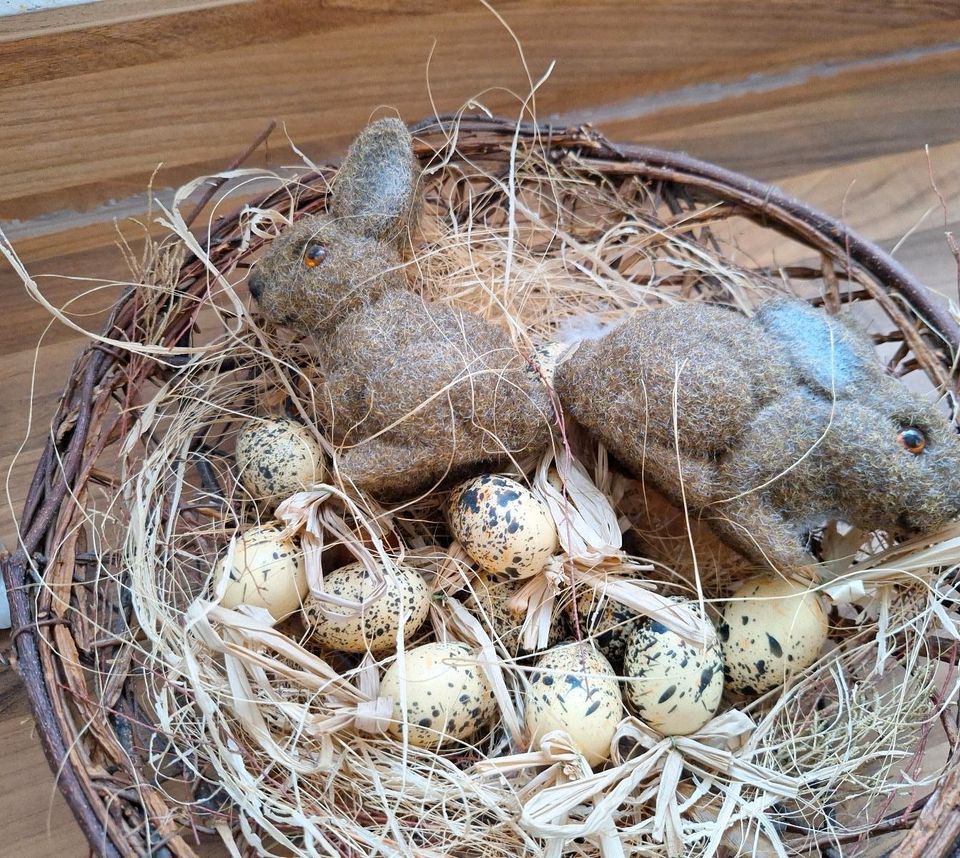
818, 346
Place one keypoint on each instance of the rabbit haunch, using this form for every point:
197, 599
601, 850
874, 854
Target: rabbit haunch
413, 392
782, 421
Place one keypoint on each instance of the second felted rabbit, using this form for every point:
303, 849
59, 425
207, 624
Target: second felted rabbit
413, 391
765, 426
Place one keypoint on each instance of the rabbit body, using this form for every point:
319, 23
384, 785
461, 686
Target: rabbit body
424, 391
766, 427
412, 391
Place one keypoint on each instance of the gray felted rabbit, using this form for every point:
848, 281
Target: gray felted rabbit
766, 427
413, 391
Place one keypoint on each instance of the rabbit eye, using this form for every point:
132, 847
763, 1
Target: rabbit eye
315, 254
912, 439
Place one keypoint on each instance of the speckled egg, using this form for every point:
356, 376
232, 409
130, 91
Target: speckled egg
448, 696
544, 360
673, 686
574, 688
606, 622
267, 571
277, 458
502, 525
771, 628
487, 600
376, 626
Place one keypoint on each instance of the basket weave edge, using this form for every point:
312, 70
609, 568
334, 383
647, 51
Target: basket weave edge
769, 206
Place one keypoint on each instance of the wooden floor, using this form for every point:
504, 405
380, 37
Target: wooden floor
833, 101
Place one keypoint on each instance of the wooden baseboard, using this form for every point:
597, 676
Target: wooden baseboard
101, 13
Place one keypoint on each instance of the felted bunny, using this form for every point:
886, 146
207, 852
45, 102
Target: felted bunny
412, 391
765, 426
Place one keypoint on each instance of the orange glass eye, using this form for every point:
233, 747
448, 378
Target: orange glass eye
913, 439
315, 254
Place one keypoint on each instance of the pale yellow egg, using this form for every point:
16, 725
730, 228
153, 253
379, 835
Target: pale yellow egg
488, 600
573, 688
607, 622
772, 627
544, 361
266, 571
448, 695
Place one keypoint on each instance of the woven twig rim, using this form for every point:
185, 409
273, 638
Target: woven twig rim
937, 831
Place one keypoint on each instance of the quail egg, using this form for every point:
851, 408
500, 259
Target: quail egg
608, 623
771, 628
503, 526
276, 458
573, 688
488, 599
672, 685
448, 695
267, 571
376, 626
544, 360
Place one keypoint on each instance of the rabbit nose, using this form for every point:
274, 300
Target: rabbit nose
255, 285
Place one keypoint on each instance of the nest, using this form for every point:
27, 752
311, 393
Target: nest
171, 720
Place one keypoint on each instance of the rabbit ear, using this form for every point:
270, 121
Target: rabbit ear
828, 354
373, 191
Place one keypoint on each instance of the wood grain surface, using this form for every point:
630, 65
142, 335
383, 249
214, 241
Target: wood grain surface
833, 101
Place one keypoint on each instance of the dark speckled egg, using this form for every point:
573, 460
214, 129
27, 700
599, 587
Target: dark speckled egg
771, 628
376, 626
673, 686
573, 688
448, 695
544, 360
487, 600
277, 458
606, 622
502, 525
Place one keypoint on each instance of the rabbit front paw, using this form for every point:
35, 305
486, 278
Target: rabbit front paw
392, 470
759, 532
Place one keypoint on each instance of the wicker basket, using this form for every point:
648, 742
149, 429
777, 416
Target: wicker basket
88, 728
